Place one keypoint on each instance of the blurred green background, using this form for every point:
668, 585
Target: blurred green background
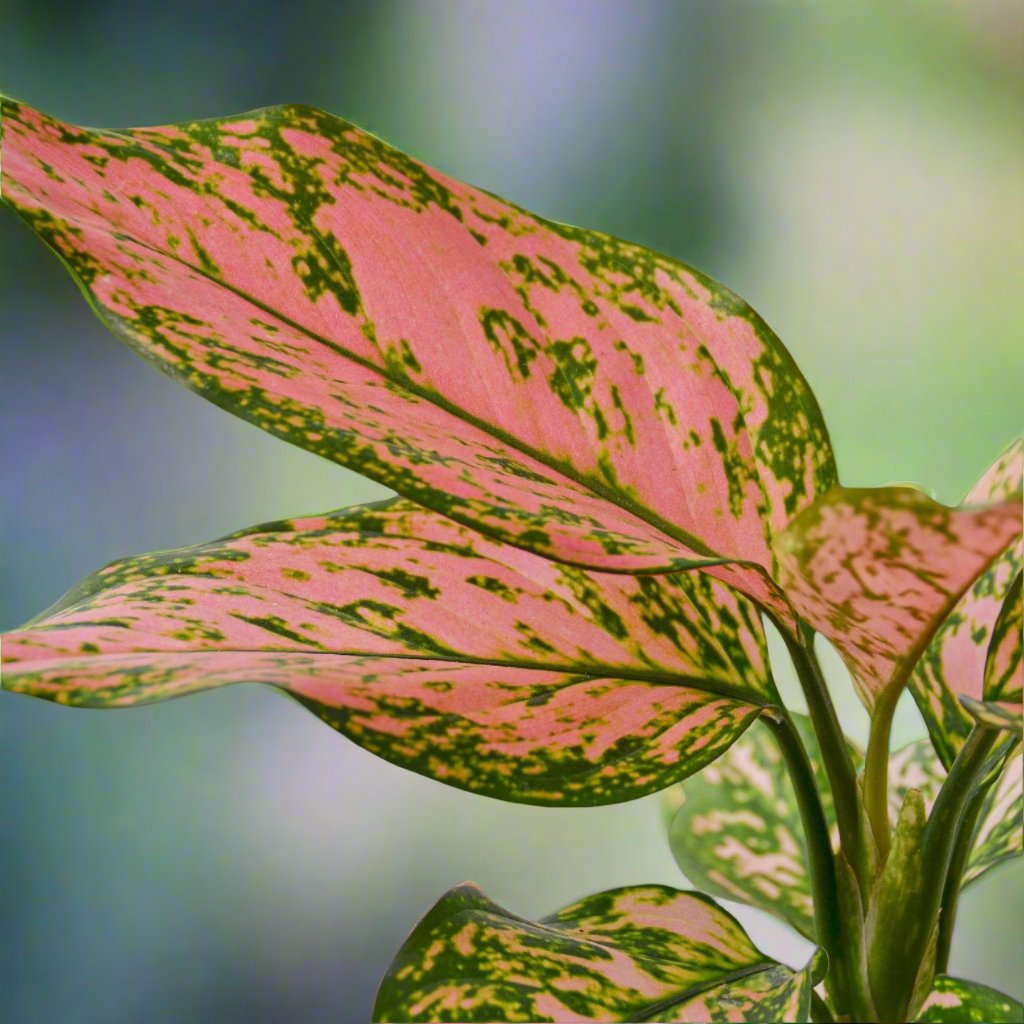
854, 173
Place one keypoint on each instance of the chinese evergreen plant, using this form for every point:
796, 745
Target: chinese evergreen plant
609, 471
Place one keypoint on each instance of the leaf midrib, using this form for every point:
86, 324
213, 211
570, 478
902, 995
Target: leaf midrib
714, 686
594, 486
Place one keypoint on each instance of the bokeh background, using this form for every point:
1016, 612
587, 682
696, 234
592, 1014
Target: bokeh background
854, 173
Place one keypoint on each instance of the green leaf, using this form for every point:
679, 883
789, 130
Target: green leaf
553, 387
953, 1001
1000, 833
641, 953
955, 660
477, 664
738, 833
735, 829
892, 909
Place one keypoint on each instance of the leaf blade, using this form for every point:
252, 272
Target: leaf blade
877, 571
491, 669
286, 265
955, 660
636, 953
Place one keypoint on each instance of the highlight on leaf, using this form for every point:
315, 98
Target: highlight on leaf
877, 571
631, 954
954, 663
626, 413
482, 666
954, 1001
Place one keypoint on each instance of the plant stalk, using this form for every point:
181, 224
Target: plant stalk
951, 890
820, 1013
835, 754
962, 849
821, 865
876, 769
903, 941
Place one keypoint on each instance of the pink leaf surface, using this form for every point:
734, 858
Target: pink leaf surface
555, 388
876, 571
487, 667
954, 663
639, 953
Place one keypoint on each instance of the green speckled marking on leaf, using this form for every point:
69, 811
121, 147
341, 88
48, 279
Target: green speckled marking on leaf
642, 953
954, 1001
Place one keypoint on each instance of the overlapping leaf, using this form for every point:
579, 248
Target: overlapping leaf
878, 570
645, 953
954, 662
555, 388
483, 666
1004, 667
738, 834
954, 1001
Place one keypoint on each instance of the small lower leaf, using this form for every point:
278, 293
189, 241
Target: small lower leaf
641, 953
953, 1001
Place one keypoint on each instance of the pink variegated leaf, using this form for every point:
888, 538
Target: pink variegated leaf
1004, 666
954, 662
483, 666
643, 953
555, 388
878, 570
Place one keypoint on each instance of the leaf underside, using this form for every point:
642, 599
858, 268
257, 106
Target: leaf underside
480, 665
644, 953
954, 663
555, 388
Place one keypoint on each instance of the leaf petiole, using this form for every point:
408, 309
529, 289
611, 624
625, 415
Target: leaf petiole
835, 753
821, 864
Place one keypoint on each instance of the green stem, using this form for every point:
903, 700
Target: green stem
821, 866
951, 890
903, 941
820, 1013
876, 769
962, 848
835, 753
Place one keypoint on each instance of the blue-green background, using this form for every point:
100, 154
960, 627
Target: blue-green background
856, 174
